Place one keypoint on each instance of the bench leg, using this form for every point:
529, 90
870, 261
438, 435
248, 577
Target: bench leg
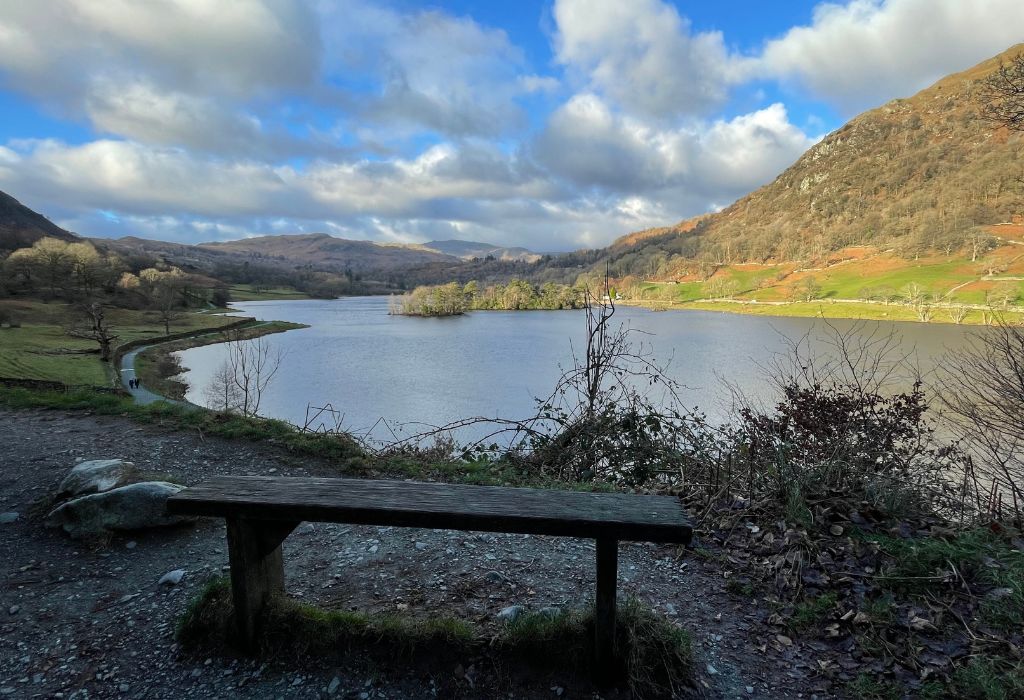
604, 618
257, 571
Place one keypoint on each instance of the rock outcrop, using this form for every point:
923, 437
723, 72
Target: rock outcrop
132, 507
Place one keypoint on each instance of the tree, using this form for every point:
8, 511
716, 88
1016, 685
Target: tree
164, 289
252, 364
1003, 95
806, 289
222, 392
92, 325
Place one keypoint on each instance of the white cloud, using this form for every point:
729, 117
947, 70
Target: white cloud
866, 52
643, 55
592, 146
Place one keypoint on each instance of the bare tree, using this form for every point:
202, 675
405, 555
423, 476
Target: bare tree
93, 326
983, 391
221, 393
1003, 95
957, 314
252, 364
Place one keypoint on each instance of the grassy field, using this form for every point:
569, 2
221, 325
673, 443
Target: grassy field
872, 276
246, 292
41, 348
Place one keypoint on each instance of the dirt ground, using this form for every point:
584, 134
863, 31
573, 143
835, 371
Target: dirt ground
80, 621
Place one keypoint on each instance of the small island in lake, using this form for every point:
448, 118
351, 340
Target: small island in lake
454, 299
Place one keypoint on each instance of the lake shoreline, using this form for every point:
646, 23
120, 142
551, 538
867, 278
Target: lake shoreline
871, 311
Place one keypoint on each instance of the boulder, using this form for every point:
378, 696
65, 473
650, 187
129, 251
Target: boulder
131, 507
96, 476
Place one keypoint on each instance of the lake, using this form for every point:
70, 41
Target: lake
409, 370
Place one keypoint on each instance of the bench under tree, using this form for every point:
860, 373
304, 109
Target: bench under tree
262, 511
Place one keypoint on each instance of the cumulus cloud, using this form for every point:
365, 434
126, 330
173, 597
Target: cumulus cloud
592, 146
430, 69
643, 55
866, 52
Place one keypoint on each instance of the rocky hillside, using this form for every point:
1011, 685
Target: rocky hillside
21, 227
916, 175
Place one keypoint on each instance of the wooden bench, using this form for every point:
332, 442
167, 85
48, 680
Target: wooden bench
262, 511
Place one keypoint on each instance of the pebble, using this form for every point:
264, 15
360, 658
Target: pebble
8, 518
13, 610
712, 671
421, 546
333, 687
306, 529
131, 545
750, 690
511, 613
172, 578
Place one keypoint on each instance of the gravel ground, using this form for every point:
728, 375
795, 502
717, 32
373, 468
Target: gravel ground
88, 621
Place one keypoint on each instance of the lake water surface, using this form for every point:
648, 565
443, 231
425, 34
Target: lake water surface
370, 365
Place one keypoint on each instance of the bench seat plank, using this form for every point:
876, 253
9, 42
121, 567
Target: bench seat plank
616, 516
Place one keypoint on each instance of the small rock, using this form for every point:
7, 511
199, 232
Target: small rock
712, 671
13, 610
550, 612
421, 546
172, 578
131, 545
836, 530
671, 609
8, 518
373, 549
332, 688
749, 689
784, 640
557, 690
511, 613
494, 577
305, 529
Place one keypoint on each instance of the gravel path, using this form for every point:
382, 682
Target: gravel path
87, 622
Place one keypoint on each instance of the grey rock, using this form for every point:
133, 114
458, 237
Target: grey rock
172, 578
332, 688
96, 476
550, 612
421, 546
131, 507
511, 613
8, 518
494, 577
13, 610
305, 529
131, 545
750, 690
712, 671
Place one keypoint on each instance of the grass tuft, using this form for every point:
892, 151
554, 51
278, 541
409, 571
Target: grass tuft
656, 655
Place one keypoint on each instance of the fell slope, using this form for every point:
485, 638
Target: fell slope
916, 176
21, 227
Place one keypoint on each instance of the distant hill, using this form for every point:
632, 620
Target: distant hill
322, 251
467, 250
914, 177
21, 227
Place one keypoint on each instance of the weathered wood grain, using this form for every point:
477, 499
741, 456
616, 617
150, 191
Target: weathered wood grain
614, 516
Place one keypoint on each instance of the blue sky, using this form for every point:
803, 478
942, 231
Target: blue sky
551, 124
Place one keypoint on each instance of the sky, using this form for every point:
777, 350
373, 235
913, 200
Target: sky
549, 124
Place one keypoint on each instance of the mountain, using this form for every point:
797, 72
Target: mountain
322, 251
914, 177
21, 227
467, 250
